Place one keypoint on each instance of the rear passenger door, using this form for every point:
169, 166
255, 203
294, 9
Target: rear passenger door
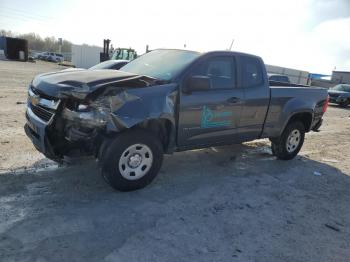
253, 80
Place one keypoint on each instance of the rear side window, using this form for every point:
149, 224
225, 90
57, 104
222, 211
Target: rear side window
252, 73
220, 70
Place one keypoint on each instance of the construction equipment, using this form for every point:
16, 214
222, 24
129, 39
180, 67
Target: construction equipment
105, 54
124, 54
116, 54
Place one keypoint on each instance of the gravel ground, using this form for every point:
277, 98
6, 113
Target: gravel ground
233, 203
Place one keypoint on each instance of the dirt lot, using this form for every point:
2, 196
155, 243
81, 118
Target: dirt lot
234, 203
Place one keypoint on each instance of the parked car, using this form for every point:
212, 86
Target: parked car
279, 78
166, 101
340, 94
43, 55
55, 57
110, 64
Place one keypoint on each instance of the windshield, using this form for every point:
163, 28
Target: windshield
161, 64
345, 88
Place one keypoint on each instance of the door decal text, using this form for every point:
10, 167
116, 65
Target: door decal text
211, 118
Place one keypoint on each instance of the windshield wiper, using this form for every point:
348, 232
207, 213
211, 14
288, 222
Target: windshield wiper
162, 81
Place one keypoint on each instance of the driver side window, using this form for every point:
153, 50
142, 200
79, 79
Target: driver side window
220, 70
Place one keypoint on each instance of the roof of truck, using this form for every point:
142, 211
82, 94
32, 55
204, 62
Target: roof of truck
210, 52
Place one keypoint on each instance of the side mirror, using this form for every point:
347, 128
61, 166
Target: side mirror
198, 83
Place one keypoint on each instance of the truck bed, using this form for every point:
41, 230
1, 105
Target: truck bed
285, 101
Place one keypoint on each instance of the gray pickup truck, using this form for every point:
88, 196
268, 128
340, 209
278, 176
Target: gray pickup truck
166, 101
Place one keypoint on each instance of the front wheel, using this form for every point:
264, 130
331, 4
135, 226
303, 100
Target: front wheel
132, 160
289, 144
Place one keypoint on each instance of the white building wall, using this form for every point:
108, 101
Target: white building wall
85, 56
341, 77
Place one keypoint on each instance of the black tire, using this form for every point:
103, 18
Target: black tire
110, 159
279, 146
345, 103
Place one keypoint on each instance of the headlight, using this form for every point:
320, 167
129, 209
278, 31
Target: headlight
89, 118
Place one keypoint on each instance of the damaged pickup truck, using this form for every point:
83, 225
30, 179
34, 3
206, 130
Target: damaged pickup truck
162, 102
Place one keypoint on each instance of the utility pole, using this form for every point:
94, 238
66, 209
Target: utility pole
60, 43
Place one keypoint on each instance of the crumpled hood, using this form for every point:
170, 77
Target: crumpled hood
79, 83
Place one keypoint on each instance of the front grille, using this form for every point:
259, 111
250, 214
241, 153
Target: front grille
41, 105
43, 113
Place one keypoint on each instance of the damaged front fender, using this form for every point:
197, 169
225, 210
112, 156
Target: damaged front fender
125, 108
139, 105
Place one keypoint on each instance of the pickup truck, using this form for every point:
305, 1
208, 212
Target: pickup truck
166, 101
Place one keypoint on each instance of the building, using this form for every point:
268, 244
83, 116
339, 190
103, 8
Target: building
14, 48
85, 56
341, 77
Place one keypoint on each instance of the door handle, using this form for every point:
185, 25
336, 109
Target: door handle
233, 100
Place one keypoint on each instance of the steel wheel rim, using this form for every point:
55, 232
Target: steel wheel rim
293, 140
135, 161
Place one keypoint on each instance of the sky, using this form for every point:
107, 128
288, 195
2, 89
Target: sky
310, 35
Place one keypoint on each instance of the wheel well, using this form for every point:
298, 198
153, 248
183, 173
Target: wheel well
162, 128
305, 118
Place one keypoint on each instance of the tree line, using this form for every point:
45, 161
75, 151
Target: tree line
37, 43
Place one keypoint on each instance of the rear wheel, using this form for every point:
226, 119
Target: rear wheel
289, 144
132, 160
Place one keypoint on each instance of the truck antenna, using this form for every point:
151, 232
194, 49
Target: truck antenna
231, 44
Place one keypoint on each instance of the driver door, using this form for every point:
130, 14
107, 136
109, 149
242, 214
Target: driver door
212, 116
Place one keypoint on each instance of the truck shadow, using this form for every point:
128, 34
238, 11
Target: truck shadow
185, 171
243, 186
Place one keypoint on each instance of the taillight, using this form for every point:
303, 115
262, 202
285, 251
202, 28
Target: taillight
325, 105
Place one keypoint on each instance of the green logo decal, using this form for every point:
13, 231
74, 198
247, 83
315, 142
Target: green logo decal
215, 119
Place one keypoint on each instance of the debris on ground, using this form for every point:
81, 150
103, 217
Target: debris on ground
332, 227
330, 160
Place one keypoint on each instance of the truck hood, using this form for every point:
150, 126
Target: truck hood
81, 83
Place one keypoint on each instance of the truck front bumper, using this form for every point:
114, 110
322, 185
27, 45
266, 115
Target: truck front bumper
35, 129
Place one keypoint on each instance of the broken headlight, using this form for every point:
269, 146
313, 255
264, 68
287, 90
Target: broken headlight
86, 116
